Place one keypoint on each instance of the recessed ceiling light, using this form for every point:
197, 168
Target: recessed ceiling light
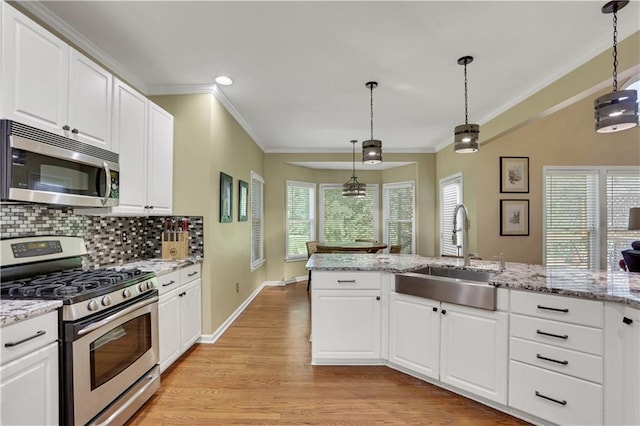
223, 80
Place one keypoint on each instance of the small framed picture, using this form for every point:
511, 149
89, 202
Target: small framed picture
226, 197
243, 196
514, 174
514, 217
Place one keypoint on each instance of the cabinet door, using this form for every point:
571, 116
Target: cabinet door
29, 389
89, 101
160, 161
414, 334
35, 81
169, 325
130, 141
473, 351
621, 365
191, 318
345, 325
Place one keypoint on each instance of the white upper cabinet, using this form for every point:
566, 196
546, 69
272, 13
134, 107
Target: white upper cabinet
160, 161
48, 85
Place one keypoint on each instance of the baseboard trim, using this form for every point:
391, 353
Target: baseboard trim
294, 280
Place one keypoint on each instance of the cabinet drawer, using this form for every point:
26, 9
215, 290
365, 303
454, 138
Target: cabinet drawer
577, 364
168, 282
45, 327
568, 336
554, 397
559, 308
346, 280
189, 273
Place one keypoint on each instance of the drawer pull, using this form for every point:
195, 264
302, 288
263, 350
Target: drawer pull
192, 274
169, 283
544, 333
627, 321
551, 359
548, 398
12, 344
346, 281
546, 308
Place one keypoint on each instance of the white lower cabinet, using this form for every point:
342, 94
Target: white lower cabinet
458, 345
346, 318
29, 372
179, 313
622, 365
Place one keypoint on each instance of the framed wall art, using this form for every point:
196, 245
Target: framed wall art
243, 196
514, 174
514, 217
226, 198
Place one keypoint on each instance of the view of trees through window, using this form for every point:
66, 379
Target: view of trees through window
348, 218
399, 215
300, 218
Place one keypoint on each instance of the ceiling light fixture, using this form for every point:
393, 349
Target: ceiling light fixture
353, 188
372, 148
465, 136
223, 80
617, 110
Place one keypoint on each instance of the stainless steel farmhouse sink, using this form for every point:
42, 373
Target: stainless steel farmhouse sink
459, 286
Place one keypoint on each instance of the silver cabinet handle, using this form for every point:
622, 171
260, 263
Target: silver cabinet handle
107, 320
19, 342
346, 281
107, 181
169, 283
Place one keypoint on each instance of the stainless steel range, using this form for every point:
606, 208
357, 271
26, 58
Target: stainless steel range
108, 326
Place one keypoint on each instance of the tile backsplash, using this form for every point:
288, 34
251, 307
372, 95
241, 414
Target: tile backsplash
109, 240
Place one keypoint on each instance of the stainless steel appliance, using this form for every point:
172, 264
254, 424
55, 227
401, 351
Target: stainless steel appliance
108, 326
43, 167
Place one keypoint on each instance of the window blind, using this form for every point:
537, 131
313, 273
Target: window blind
571, 218
450, 197
399, 215
348, 218
301, 226
623, 192
257, 220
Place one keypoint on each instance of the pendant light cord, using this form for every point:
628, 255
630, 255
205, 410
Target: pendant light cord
615, 48
353, 159
371, 103
466, 114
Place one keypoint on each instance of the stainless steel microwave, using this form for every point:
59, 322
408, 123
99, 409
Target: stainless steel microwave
42, 167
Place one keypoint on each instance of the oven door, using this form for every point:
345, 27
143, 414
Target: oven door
108, 355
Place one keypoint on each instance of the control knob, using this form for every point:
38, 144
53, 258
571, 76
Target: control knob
93, 306
106, 301
126, 293
142, 286
150, 285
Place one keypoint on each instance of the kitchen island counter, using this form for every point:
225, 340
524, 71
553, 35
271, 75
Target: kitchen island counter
12, 311
616, 286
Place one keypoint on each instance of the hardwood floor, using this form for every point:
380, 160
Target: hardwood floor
259, 372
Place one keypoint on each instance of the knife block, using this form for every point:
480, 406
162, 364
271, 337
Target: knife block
175, 245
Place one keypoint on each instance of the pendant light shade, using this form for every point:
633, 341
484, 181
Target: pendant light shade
466, 136
353, 188
372, 148
617, 110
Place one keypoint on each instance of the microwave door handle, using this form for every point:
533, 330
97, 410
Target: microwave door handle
120, 314
107, 182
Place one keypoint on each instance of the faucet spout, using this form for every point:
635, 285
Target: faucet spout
465, 231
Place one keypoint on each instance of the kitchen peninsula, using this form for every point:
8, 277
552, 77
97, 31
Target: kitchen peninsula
555, 349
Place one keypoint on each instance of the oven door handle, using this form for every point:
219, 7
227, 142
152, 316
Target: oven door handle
120, 314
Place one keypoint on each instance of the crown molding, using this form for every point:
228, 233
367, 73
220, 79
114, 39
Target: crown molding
179, 89
74, 37
219, 95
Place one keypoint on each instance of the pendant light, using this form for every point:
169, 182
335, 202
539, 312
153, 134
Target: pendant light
372, 148
353, 188
617, 110
465, 136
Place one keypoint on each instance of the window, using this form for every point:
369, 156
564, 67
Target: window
257, 222
450, 197
301, 218
348, 218
399, 215
586, 213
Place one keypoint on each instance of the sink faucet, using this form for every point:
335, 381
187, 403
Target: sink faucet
465, 231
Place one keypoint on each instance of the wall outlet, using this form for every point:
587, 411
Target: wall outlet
237, 287
124, 237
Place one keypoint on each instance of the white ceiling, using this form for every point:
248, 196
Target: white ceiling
300, 68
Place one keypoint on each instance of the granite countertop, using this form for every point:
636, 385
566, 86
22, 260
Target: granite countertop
616, 286
160, 266
12, 311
